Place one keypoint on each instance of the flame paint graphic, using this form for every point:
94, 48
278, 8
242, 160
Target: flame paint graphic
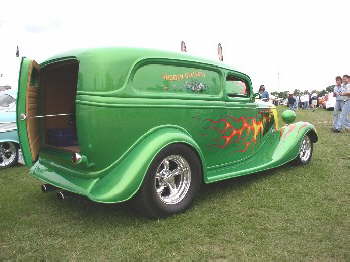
302, 127
250, 128
291, 128
289, 131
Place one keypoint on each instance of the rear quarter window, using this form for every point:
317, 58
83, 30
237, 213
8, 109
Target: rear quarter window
170, 80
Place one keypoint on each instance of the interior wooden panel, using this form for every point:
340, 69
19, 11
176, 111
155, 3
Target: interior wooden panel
59, 83
53, 93
32, 101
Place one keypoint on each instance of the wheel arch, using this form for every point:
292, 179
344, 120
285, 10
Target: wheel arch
125, 179
9, 140
313, 135
199, 156
290, 140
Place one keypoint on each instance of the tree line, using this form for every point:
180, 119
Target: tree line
297, 92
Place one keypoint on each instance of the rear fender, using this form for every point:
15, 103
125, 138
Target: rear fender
124, 180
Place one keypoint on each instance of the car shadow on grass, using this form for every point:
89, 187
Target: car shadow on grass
124, 213
82, 207
241, 182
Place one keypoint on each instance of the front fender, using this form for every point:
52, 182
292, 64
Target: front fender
124, 180
290, 139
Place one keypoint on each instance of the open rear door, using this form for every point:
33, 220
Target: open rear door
27, 108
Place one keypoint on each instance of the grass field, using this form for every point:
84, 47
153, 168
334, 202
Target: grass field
286, 214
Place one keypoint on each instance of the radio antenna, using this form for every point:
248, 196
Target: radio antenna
221, 57
183, 47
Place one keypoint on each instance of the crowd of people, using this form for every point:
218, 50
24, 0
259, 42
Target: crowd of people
341, 119
341, 116
304, 101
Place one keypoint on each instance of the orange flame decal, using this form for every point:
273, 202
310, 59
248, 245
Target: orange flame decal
246, 135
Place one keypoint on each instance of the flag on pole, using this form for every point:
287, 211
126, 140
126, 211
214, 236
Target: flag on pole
17, 52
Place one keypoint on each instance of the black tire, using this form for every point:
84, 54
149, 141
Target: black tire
14, 160
155, 204
304, 157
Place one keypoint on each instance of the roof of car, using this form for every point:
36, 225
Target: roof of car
129, 56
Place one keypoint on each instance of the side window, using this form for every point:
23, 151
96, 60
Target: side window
236, 87
165, 79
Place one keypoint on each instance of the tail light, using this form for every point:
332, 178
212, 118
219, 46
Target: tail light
76, 158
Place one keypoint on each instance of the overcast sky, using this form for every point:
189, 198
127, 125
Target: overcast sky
306, 43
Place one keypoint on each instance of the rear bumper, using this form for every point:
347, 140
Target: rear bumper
62, 178
115, 185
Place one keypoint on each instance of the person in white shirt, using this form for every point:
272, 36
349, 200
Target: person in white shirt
305, 100
297, 101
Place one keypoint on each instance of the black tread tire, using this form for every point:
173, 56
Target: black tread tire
15, 161
147, 202
298, 160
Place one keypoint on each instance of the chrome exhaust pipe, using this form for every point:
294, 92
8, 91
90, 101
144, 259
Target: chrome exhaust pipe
60, 195
47, 188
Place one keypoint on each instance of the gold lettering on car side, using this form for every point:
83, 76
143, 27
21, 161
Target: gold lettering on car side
178, 77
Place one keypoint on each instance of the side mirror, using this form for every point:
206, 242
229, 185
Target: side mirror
288, 116
257, 95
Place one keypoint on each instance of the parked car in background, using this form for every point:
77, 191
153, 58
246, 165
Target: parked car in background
9, 144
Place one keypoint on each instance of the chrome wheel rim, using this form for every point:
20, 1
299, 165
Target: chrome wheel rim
8, 153
172, 179
305, 149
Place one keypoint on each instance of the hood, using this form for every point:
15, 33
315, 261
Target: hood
263, 104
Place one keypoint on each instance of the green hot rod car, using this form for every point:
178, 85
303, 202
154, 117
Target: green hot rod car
117, 124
